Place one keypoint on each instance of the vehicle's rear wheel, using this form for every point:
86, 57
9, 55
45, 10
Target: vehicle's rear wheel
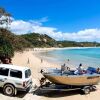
9, 90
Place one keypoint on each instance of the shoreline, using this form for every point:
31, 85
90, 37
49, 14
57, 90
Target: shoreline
72, 62
56, 48
36, 53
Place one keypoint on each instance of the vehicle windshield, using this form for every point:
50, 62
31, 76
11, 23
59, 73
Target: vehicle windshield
27, 73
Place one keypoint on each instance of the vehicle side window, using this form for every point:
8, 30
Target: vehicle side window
27, 73
15, 73
4, 71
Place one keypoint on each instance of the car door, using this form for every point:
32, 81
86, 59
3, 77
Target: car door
3, 75
28, 78
16, 78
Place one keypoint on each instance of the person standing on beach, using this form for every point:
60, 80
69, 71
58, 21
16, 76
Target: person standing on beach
68, 60
28, 61
41, 60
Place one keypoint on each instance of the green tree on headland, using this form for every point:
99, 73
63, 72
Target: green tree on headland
10, 42
40, 40
6, 48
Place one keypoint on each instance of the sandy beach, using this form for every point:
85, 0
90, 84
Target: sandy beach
29, 59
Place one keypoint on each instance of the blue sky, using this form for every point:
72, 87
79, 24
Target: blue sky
77, 20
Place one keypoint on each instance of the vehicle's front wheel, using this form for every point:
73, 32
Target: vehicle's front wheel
9, 90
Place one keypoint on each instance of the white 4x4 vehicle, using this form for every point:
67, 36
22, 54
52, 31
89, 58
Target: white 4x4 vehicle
13, 78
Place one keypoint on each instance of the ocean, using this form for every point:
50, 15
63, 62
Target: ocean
85, 56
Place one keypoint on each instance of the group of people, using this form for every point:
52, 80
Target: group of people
80, 70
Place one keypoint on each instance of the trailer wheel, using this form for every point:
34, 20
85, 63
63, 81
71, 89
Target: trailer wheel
93, 88
86, 90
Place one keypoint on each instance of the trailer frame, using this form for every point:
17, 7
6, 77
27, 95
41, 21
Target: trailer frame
60, 87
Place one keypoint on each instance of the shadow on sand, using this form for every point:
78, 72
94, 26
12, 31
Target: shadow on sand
56, 94
21, 94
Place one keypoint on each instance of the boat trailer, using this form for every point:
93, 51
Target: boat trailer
59, 87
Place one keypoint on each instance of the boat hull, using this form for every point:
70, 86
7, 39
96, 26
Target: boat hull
76, 80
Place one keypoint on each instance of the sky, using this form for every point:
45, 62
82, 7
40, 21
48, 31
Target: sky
75, 20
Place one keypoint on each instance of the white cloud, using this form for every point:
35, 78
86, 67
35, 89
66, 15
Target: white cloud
84, 35
39, 21
22, 27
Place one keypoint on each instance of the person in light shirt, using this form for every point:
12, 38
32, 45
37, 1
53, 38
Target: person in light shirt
79, 70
